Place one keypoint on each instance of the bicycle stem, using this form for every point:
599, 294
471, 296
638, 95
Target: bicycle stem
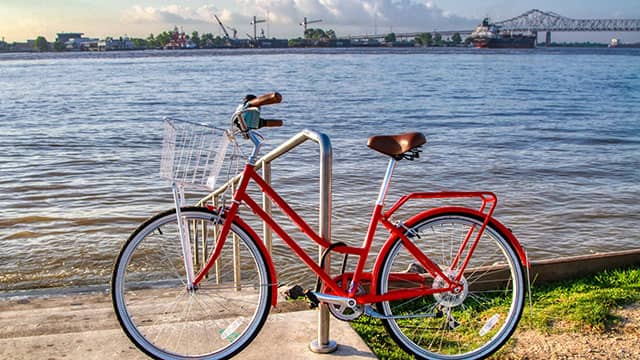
257, 143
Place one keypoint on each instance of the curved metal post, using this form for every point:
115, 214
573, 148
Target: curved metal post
322, 344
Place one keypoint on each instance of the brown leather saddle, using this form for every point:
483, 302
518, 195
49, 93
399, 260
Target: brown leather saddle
401, 146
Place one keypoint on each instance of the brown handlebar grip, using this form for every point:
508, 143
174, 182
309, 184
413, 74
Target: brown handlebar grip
271, 123
266, 99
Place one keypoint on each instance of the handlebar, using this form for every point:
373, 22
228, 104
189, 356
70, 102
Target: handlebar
247, 119
266, 99
247, 116
270, 123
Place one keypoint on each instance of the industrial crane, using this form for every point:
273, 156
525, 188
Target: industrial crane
226, 34
305, 22
255, 22
235, 31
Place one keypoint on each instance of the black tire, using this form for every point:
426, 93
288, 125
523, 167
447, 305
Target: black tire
470, 325
167, 321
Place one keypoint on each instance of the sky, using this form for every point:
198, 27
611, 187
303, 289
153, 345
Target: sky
26, 19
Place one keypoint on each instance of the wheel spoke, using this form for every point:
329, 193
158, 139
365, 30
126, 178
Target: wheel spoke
488, 291
164, 318
169, 261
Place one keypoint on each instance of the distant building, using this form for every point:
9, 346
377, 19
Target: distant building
365, 43
25, 46
272, 43
75, 41
81, 44
109, 44
65, 37
614, 43
339, 43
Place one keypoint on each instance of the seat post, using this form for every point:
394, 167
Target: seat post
386, 181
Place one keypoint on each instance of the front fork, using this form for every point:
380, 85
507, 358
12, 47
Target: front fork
187, 255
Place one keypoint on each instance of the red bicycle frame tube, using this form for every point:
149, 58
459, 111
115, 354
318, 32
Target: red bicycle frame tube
378, 216
488, 199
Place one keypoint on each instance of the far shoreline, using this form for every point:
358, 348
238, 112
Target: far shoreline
143, 53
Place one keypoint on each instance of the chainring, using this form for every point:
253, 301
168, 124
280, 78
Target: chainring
345, 313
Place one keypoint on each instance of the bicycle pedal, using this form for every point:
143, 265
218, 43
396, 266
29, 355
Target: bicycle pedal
313, 300
294, 293
416, 268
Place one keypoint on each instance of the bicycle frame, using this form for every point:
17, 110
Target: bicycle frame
475, 257
378, 217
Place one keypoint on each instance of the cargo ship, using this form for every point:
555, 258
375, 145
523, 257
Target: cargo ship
488, 35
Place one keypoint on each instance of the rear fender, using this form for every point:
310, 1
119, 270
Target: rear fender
454, 210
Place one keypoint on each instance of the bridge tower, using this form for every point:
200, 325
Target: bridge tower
547, 40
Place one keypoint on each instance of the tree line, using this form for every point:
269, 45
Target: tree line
205, 40
39, 44
208, 40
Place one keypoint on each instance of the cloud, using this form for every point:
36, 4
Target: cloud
170, 14
352, 16
397, 13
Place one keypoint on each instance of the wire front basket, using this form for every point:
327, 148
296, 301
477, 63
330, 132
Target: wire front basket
192, 153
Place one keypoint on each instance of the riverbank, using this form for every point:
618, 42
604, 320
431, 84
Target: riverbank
592, 317
617, 342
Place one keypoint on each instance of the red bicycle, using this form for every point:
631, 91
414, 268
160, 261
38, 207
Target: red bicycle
448, 283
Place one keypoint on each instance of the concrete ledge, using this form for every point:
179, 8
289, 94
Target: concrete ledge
567, 268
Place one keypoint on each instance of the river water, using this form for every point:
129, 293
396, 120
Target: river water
554, 132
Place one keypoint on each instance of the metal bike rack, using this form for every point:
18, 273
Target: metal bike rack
322, 344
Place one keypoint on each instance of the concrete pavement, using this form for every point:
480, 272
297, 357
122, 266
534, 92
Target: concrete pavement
83, 326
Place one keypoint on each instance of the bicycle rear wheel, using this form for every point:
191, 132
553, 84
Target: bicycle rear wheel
166, 320
469, 325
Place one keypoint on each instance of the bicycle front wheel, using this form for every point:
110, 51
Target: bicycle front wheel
471, 324
165, 319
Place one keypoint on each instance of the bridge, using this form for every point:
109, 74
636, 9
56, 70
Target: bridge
541, 21
536, 21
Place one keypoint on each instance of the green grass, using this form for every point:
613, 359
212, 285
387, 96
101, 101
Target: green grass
584, 304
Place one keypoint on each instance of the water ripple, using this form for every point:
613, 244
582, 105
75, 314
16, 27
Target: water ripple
554, 132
